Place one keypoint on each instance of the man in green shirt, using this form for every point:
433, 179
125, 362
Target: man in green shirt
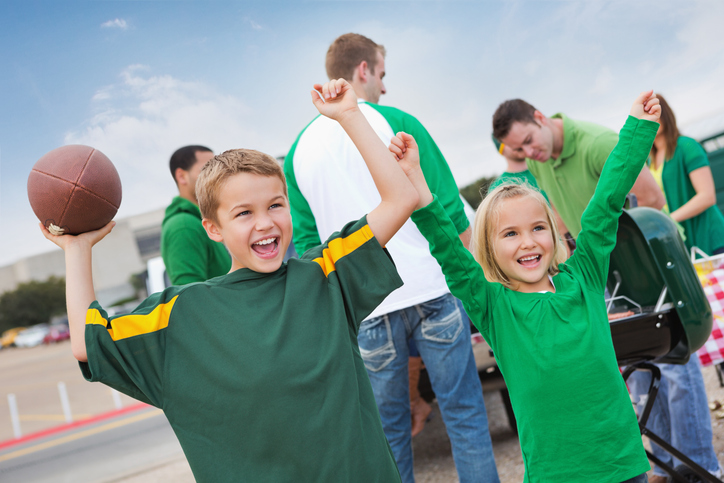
517, 172
566, 157
188, 253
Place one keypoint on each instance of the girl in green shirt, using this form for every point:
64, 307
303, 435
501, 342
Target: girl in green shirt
680, 166
545, 317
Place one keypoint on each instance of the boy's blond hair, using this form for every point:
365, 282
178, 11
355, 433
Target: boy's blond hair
486, 220
222, 166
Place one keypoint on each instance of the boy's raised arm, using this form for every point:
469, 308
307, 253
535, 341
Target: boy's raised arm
79, 292
339, 102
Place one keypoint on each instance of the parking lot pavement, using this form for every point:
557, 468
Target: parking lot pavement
33, 374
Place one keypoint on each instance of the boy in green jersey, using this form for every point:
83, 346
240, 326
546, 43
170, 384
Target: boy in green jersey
258, 371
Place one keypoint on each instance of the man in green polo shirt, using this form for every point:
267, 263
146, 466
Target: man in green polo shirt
565, 157
188, 253
517, 172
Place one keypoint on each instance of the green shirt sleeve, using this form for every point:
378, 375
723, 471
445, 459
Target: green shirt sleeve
436, 170
463, 274
599, 222
354, 261
127, 352
304, 225
694, 155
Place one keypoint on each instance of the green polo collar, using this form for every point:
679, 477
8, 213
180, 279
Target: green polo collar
569, 132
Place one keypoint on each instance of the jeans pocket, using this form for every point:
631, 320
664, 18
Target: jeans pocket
376, 345
443, 320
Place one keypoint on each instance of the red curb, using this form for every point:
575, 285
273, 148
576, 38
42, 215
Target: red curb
73, 425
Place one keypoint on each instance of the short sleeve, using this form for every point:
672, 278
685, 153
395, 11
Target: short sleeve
304, 225
127, 352
437, 172
355, 263
693, 153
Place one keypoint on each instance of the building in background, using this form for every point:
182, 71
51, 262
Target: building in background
116, 259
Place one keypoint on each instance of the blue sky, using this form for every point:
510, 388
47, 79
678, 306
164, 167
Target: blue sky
138, 79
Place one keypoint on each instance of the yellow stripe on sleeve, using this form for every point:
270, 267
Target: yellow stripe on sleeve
339, 247
135, 324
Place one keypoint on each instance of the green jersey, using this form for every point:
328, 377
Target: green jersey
260, 374
575, 418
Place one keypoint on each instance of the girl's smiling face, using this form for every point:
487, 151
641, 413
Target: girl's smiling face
523, 244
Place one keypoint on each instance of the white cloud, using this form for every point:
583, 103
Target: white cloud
253, 24
117, 23
143, 119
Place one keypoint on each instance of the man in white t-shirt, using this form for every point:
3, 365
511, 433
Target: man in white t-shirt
329, 185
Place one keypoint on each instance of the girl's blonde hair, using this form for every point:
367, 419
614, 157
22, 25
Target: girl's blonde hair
484, 230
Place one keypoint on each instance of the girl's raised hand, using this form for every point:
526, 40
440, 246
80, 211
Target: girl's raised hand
337, 98
646, 106
404, 147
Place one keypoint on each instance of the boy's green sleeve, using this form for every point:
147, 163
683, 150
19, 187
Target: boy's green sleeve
127, 352
463, 274
353, 260
599, 222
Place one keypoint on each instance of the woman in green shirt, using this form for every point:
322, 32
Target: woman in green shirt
681, 167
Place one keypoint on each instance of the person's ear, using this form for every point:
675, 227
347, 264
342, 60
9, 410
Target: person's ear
212, 230
181, 176
360, 72
540, 119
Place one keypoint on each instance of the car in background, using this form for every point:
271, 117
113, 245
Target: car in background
9, 335
57, 333
32, 336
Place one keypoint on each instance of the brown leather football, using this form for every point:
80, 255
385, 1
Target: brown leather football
74, 189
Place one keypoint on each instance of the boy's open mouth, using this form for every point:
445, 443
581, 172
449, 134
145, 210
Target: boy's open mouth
267, 247
529, 260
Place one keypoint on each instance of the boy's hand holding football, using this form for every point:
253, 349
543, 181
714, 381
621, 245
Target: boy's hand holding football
337, 100
405, 149
646, 106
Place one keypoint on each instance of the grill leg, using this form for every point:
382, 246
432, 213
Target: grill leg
700, 472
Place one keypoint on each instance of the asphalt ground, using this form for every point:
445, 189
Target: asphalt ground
33, 374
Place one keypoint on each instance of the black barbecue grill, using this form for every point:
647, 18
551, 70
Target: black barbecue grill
667, 316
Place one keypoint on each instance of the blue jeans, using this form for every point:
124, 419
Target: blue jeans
642, 478
441, 331
680, 415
